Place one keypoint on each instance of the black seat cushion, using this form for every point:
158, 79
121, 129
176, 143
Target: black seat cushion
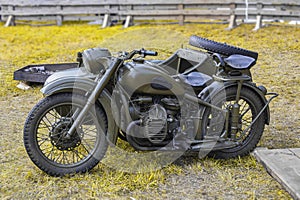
239, 61
196, 79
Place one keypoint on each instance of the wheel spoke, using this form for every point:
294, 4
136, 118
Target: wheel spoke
54, 115
45, 148
84, 141
78, 153
47, 126
42, 141
87, 121
50, 153
49, 122
70, 113
91, 129
245, 112
88, 152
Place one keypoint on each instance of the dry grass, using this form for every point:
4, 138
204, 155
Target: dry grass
188, 178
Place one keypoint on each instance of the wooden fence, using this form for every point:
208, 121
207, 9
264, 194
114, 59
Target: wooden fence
129, 10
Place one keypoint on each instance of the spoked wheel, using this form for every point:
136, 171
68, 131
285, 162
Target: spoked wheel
46, 141
250, 105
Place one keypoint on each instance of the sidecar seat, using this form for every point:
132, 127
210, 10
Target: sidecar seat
196, 79
239, 61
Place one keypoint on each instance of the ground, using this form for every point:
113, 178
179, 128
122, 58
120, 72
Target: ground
187, 178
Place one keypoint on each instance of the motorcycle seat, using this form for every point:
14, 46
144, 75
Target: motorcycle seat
196, 79
239, 61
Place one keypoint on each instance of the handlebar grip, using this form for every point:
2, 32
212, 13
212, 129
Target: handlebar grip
150, 53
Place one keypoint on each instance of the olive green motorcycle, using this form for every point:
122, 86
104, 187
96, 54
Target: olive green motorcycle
200, 99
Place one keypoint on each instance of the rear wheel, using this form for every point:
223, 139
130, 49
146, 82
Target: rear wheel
250, 105
45, 130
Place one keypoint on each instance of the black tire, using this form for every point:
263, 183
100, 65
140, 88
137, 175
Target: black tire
44, 141
221, 48
249, 101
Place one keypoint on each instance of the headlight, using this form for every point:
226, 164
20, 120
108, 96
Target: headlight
96, 59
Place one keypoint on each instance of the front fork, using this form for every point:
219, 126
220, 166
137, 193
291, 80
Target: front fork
101, 84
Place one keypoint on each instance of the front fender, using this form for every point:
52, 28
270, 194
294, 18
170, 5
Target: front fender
83, 86
217, 87
68, 84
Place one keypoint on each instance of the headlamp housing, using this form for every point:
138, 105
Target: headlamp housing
96, 60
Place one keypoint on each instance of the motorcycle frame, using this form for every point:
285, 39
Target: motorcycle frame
103, 78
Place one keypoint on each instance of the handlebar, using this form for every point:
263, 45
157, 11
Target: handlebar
143, 52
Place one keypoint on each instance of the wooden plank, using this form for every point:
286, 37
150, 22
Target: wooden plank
137, 2
175, 12
94, 8
185, 2
83, 17
284, 166
57, 2
292, 14
149, 17
53, 18
278, 2
203, 17
114, 2
55, 12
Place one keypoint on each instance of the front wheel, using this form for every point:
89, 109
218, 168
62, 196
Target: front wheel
250, 105
45, 130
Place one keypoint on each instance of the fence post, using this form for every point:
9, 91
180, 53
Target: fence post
129, 18
258, 24
107, 19
128, 21
59, 17
11, 19
180, 7
232, 19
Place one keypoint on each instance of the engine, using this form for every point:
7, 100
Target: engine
158, 121
156, 124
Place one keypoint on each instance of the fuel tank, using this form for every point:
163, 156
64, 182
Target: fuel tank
150, 79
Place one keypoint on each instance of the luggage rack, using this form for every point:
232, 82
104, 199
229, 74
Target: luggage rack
39, 73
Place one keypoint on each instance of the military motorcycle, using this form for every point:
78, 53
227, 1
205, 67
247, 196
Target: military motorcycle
200, 99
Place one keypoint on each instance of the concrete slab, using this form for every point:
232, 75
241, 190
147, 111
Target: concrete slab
284, 166
296, 151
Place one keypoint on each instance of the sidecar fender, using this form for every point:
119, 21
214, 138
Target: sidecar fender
210, 91
84, 86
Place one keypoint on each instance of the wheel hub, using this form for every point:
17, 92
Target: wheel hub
60, 130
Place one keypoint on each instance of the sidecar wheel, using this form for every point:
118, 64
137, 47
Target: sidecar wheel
221, 48
45, 141
250, 106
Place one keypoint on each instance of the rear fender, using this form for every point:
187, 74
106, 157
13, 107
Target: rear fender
84, 86
216, 87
